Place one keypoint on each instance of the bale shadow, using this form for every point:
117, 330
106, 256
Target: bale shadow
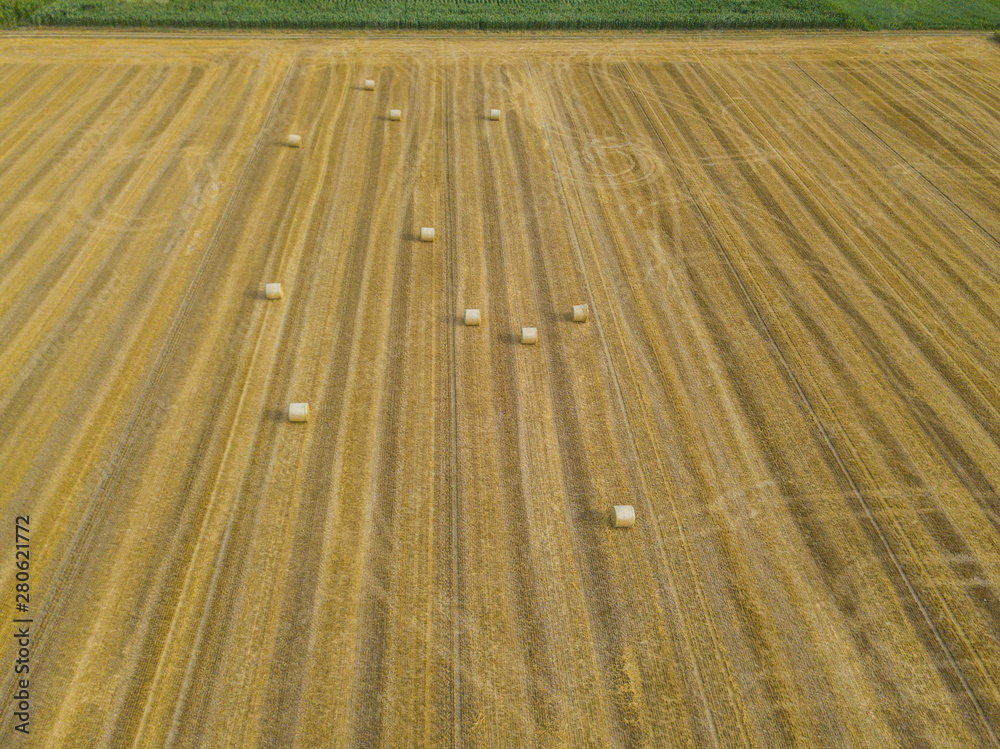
596, 518
277, 415
511, 338
255, 294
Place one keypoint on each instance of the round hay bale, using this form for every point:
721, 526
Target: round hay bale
529, 336
494, 114
623, 516
426, 234
472, 317
395, 114
272, 290
294, 141
580, 313
298, 412
369, 84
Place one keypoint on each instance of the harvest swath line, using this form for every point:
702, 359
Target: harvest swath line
16, 82
86, 530
889, 102
594, 568
661, 368
378, 587
349, 310
456, 573
949, 370
832, 143
331, 395
980, 403
881, 140
302, 594
169, 636
215, 575
951, 325
503, 298
821, 427
145, 657
976, 484
221, 396
20, 147
941, 108
39, 225
16, 135
139, 101
726, 148
786, 225
595, 314
373, 619
61, 261
32, 372
263, 439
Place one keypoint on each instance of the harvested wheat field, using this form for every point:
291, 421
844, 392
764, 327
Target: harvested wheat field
788, 245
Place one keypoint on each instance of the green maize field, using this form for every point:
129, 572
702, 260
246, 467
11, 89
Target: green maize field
509, 14
15, 12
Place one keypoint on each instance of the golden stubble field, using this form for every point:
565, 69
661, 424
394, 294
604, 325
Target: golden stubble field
789, 245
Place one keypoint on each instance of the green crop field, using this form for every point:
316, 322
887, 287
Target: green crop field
13, 12
509, 14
